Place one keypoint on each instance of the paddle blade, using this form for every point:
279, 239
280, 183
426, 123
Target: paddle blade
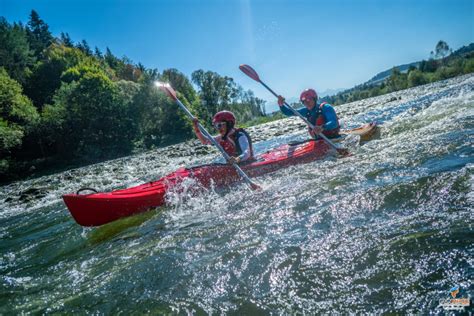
249, 71
166, 88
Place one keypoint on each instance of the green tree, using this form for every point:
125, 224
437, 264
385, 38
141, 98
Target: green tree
122, 68
442, 50
249, 103
66, 40
17, 117
46, 76
151, 110
98, 53
216, 92
95, 116
469, 66
428, 66
110, 59
180, 83
219, 93
375, 91
14, 106
416, 78
15, 53
84, 47
396, 81
39, 35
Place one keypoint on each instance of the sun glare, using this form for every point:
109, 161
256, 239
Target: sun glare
160, 84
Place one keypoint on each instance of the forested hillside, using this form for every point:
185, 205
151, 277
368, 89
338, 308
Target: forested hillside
62, 102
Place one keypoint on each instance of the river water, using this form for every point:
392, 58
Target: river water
389, 229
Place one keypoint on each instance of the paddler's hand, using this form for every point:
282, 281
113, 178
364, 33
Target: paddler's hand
195, 124
281, 101
317, 130
233, 160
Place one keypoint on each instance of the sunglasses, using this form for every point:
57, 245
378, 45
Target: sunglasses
219, 125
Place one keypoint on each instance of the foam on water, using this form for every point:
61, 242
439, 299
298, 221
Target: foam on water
386, 230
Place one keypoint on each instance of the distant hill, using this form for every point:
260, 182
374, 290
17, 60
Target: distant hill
464, 50
381, 76
330, 92
443, 64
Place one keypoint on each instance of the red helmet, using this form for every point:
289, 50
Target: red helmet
308, 94
224, 116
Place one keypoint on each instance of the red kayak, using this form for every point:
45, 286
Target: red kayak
100, 208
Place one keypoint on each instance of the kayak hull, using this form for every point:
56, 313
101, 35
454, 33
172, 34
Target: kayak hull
100, 208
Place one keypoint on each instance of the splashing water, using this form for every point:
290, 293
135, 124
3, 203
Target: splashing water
388, 229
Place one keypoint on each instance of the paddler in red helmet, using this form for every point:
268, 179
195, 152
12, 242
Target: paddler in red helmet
322, 115
235, 141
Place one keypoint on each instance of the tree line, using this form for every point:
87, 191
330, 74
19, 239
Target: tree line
62, 102
442, 64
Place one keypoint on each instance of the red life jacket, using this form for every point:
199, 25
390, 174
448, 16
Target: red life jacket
231, 144
321, 121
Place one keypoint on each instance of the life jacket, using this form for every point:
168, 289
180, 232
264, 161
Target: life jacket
319, 120
231, 143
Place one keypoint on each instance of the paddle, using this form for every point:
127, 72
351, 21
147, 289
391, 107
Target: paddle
172, 94
249, 71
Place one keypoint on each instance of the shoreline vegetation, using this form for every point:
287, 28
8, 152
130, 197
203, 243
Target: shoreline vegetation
65, 105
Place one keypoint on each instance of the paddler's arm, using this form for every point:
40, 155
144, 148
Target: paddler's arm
330, 117
198, 133
286, 111
245, 147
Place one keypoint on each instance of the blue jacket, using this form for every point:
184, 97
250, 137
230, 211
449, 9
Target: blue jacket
327, 111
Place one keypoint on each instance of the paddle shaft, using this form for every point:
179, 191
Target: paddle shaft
302, 117
217, 145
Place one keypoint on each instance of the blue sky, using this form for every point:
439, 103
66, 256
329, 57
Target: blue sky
293, 45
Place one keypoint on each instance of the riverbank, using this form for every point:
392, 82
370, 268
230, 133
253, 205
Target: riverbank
259, 132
